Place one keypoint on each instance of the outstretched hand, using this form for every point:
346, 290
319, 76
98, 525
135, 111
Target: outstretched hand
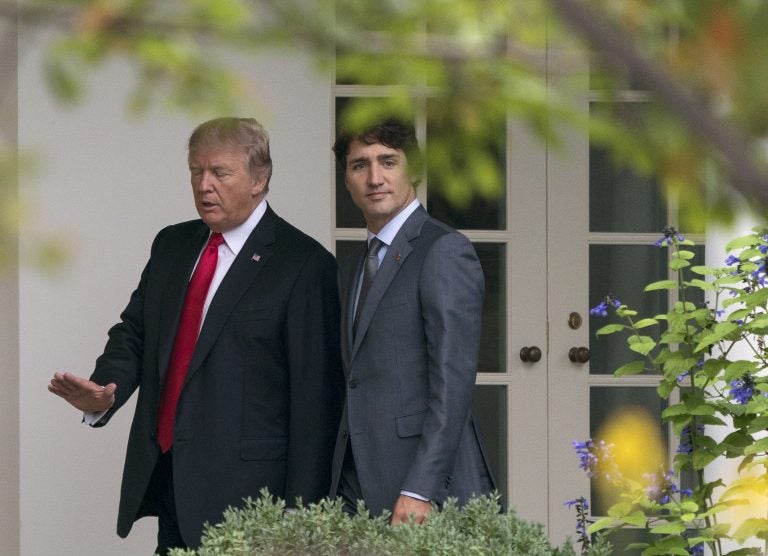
82, 393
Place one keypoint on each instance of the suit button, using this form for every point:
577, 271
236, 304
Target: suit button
353, 383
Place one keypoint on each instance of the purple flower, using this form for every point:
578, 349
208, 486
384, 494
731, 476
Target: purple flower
594, 457
687, 437
581, 506
732, 260
601, 309
671, 235
661, 487
587, 459
742, 389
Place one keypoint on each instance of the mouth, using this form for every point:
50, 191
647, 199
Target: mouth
207, 205
377, 195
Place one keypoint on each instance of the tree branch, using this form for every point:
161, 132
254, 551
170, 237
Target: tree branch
735, 150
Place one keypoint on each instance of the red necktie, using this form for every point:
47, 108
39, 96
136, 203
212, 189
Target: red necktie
186, 338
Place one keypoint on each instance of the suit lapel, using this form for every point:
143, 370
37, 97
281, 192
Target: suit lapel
173, 297
257, 250
349, 277
396, 255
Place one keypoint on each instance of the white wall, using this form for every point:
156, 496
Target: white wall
9, 310
107, 183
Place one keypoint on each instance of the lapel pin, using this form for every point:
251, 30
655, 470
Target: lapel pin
397, 257
256, 257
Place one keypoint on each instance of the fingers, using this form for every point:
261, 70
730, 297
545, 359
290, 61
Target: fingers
82, 393
407, 509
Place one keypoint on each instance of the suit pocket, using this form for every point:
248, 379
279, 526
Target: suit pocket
410, 425
250, 315
263, 449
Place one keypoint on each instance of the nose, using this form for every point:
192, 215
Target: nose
375, 175
202, 182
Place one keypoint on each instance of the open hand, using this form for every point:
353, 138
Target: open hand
82, 393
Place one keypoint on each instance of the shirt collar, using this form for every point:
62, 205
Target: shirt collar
389, 231
237, 237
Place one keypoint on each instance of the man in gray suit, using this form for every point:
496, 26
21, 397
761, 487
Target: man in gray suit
411, 304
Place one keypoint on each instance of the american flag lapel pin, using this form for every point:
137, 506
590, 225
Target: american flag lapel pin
256, 257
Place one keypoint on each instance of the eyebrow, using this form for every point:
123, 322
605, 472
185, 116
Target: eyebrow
381, 157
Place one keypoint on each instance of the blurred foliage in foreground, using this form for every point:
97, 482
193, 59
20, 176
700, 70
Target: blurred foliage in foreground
466, 65
263, 527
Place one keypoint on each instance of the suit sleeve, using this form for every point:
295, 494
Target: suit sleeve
451, 289
316, 378
121, 361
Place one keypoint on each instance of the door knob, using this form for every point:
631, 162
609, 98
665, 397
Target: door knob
530, 354
578, 354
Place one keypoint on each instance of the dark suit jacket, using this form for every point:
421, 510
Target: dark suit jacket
261, 401
411, 369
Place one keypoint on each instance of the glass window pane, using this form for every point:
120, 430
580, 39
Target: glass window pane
347, 248
493, 346
490, 411
629, 418
616, 191
478, 212
623, 271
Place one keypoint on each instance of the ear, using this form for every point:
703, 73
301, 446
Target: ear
258, 186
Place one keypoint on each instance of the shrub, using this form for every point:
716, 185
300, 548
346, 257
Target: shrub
263, 527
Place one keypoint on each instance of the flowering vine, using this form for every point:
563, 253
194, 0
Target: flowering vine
716, 396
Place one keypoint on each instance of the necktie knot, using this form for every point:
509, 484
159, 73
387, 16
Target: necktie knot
215, 240
374, 247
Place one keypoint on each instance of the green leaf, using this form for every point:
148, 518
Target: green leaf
633, 368
685, 254
704, 270
610, 329
677, 264
641, 344
675, 410
756, 448
644, 323
671, 528
741, 242
702, 458
758, 424
701, 284
601, 524
638, 519
752, 527
661, 285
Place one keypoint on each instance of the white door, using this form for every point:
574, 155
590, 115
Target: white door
569, 229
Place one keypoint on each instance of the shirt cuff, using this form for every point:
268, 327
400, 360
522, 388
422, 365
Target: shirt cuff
414, 495
92, 418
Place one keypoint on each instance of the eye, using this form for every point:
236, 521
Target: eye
389, 163
221, 174
359, 165
196, 172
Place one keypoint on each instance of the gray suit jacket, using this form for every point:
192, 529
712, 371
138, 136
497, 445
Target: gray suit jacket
411, 369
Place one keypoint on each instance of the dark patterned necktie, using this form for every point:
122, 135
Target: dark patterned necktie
369, 272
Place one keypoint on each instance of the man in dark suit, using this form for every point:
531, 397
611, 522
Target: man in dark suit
410, 340
258, 397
